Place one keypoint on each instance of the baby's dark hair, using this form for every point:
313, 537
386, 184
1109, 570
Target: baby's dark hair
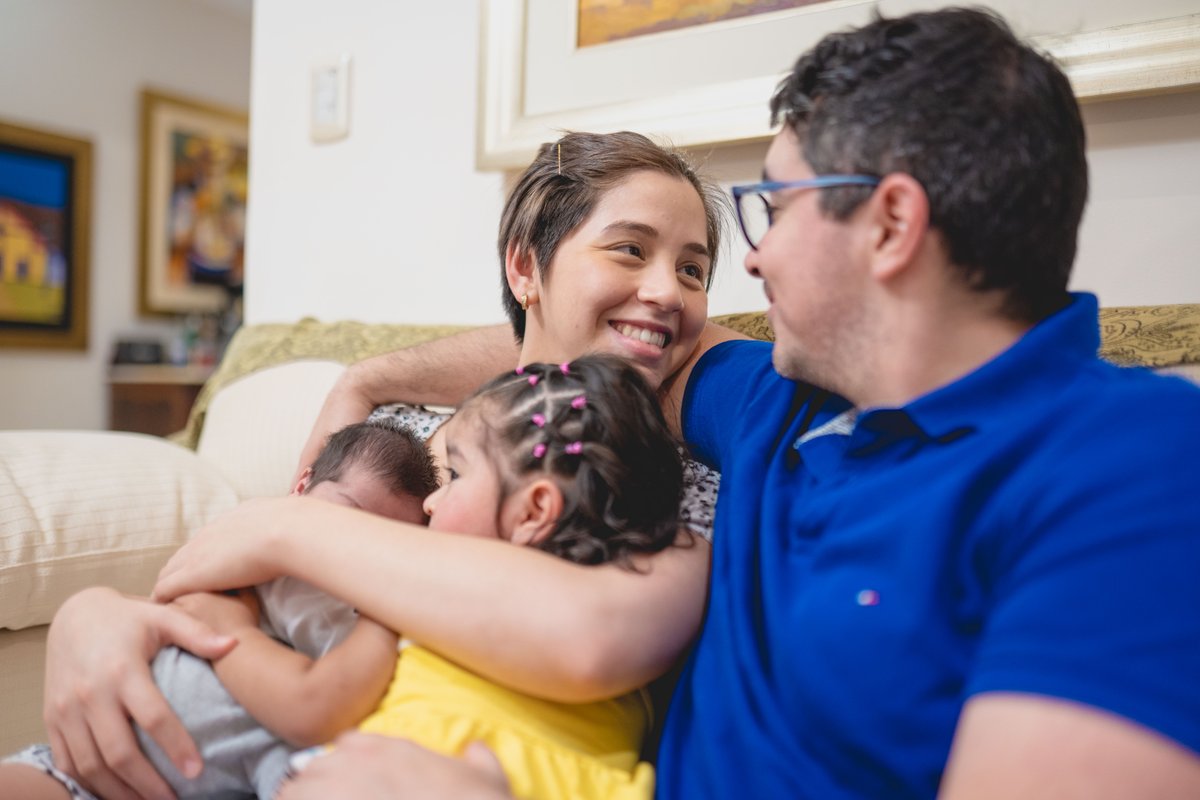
392, 453
595, 426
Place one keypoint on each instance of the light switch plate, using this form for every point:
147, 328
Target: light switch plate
330, 118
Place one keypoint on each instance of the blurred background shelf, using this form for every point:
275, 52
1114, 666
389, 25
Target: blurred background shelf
153, 398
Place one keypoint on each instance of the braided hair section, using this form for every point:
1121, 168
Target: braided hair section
597, 429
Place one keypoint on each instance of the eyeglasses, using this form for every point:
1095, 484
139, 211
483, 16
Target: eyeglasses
756, 217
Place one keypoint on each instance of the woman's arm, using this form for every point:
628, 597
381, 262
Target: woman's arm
670, 394
443, 371
516, 615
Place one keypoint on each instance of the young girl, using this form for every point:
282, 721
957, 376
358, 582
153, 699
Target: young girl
576, 460
573, 459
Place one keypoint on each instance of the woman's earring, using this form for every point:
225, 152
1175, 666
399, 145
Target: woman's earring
524, 302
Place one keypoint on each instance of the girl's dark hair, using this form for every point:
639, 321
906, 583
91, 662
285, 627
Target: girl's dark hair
596, 428
392, 453
567, 178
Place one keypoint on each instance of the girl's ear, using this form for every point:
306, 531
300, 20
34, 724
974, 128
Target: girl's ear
533, 511
302, 484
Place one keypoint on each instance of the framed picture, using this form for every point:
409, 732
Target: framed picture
45, 214
544, 69
193, 205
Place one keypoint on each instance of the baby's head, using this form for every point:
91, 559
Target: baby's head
574, 459
375, 466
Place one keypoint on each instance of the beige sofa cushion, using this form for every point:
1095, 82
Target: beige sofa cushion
256, 425
79, 509
257, 347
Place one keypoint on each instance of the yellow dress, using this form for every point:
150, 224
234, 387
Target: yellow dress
548, 750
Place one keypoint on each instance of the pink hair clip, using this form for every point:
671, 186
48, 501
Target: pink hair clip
579, 402
565, 367
520, 370
533, 379
539, 450
574, 448
539, 420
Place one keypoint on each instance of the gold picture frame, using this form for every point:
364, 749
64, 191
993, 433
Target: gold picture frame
45, 238
709, 84
195, 158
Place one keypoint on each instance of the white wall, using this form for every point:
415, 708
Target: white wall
1141, 229
76, 67
391, 223
394, 223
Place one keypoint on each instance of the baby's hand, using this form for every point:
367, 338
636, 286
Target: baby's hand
224, 613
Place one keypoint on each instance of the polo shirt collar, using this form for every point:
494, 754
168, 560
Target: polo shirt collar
1016, 378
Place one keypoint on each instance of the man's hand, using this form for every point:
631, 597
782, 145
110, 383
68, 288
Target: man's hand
98, 679
369, 767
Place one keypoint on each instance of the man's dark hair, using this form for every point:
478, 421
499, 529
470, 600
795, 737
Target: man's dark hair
597, 429
986, 124
394, 454
565, 182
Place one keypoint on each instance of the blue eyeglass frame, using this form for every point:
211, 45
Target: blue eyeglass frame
816, 182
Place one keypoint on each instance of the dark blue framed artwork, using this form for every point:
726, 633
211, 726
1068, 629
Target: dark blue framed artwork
45, 187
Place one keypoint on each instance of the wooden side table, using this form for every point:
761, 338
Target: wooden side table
153, 398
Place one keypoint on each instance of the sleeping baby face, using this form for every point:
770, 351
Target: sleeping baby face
359, 487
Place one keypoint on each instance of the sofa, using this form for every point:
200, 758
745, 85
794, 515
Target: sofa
81, 508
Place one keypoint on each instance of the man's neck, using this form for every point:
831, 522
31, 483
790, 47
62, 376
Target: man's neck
924, 348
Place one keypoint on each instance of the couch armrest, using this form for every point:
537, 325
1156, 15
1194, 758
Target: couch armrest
80, 509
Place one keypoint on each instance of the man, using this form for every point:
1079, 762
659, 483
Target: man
971, 575
967, 566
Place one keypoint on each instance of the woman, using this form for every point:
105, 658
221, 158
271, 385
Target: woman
608, 244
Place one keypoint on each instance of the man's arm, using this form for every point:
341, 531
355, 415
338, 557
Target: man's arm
443, 372
368, 767
1034, 747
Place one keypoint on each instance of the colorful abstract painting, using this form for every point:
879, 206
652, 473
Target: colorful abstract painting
603, 21
195, 168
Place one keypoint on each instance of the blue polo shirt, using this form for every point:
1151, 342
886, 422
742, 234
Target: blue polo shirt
1031, 527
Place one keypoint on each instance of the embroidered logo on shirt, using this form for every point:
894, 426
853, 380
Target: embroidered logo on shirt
867, 597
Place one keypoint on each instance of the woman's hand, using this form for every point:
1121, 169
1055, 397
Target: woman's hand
381, 768
232, 551
98, 679
225, 614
